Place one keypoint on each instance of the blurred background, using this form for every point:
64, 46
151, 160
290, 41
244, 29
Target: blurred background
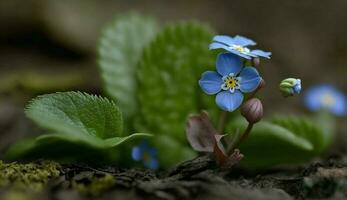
50, 45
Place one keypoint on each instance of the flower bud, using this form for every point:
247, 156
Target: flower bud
290, 86
252, 110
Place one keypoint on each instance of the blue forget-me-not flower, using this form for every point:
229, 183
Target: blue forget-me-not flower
238, 45
147, 154
230, 81
327, 97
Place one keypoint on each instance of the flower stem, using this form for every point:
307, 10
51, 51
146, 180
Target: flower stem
243, 138
222, 121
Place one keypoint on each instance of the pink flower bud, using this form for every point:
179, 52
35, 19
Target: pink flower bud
252, 110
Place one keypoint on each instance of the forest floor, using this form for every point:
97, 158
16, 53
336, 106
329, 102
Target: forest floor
195, 179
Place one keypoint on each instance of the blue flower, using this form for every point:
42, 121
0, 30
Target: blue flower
230, 81
143, 152
238, 45
326, 96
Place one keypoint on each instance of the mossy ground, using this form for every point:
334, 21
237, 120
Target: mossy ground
29, 176
191, 180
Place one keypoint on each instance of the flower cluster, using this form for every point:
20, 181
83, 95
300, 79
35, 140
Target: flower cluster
145, 153
232, 79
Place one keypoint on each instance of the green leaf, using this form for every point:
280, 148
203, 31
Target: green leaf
120, 48
283, 140
86, 128
69, 148
305, 128
168, 77
77, 113
96, 143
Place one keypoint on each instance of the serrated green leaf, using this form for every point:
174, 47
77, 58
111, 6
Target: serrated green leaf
120, 48
86, 128
168, 77
77, 113
284, 140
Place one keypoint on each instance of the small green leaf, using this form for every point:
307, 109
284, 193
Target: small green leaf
284, 140
120, 48
77, 113
168, 77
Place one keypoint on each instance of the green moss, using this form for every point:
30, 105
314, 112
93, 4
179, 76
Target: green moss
30, 176
15, 194
97, 186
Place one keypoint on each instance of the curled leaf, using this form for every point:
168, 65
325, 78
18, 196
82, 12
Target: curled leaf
219, 150
203, 137
201, 133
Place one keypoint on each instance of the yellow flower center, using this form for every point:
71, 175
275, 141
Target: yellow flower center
327, 100
240, 48
231, 82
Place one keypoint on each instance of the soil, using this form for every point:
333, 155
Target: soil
201, 179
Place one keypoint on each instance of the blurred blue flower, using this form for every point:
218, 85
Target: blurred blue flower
238, 45
145, 153
326, 96
230, 81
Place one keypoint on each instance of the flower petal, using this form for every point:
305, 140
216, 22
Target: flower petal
339, 108
243, 41
243, 55
257, 53
137, 153
297, 87
210, 82
224, 39
229, 101
228, 63
216, 45
249, 79
311, 98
